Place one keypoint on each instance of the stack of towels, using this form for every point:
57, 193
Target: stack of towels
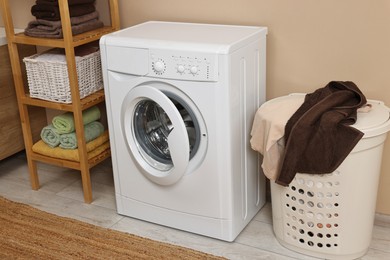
59, 138
83, 18
61, 132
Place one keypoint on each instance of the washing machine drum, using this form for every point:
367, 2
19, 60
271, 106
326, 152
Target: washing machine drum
152, 127
162, 132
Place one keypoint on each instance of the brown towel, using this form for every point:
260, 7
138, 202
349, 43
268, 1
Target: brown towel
70, 2
53, 29
58, 34
47, 25
318, 136
52, 13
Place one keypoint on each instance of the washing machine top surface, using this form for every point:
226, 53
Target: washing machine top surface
186, 36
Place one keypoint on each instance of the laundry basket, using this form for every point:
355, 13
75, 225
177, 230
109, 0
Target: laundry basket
331, 215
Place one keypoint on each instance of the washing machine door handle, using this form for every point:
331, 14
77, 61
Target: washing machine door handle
180, 156
177, 139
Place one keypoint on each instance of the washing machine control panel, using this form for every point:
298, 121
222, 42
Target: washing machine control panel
183, 65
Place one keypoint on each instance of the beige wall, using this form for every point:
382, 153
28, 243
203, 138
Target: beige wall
309, 43
20, 12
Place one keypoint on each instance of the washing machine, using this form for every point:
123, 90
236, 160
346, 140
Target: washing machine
181, 98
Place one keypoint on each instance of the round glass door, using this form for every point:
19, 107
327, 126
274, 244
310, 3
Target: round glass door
162, 133
152, 127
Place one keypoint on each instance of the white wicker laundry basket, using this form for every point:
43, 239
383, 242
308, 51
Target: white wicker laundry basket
331, 215
48, 79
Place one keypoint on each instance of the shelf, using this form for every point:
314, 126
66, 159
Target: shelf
69, 42
99, 158
89, 101
70, 164
78, 40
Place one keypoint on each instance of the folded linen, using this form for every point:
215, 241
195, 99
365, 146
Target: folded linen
50, 136
53, 25
91, 132
94, 148
53, 29
58, 34
70, 2
65, 123
52, 12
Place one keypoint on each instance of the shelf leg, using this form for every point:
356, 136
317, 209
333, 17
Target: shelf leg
77, 109
86, 181
33, 172
23, 112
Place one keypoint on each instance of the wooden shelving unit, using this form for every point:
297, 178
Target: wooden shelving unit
69, 42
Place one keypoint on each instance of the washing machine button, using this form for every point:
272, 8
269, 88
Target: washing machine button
180, 69
194, 70
159, 66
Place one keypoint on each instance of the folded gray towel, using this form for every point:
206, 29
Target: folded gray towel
53, 29
47, 25
57, 33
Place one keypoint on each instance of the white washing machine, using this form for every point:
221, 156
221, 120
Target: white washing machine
181, 99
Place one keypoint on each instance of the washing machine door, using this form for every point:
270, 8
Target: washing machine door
156, 134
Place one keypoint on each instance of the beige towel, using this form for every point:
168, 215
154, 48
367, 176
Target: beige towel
94, 148
268, 131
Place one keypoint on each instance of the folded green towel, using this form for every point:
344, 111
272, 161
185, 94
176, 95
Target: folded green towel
50, 136
65, 123
91, 132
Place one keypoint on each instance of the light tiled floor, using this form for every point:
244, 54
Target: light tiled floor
61, 194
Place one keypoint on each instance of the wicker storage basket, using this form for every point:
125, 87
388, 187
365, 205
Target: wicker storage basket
48, 78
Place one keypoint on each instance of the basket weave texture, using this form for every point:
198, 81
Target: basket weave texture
48, 80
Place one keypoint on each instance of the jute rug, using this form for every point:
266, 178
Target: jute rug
29, 233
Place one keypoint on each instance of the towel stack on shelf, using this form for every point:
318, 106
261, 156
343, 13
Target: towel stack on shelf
83, 18
59, 138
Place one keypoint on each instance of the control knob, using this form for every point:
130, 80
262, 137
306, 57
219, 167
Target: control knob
194, 70
180, 68
159, 66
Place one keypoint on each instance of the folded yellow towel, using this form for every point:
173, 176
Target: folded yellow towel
94, 148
